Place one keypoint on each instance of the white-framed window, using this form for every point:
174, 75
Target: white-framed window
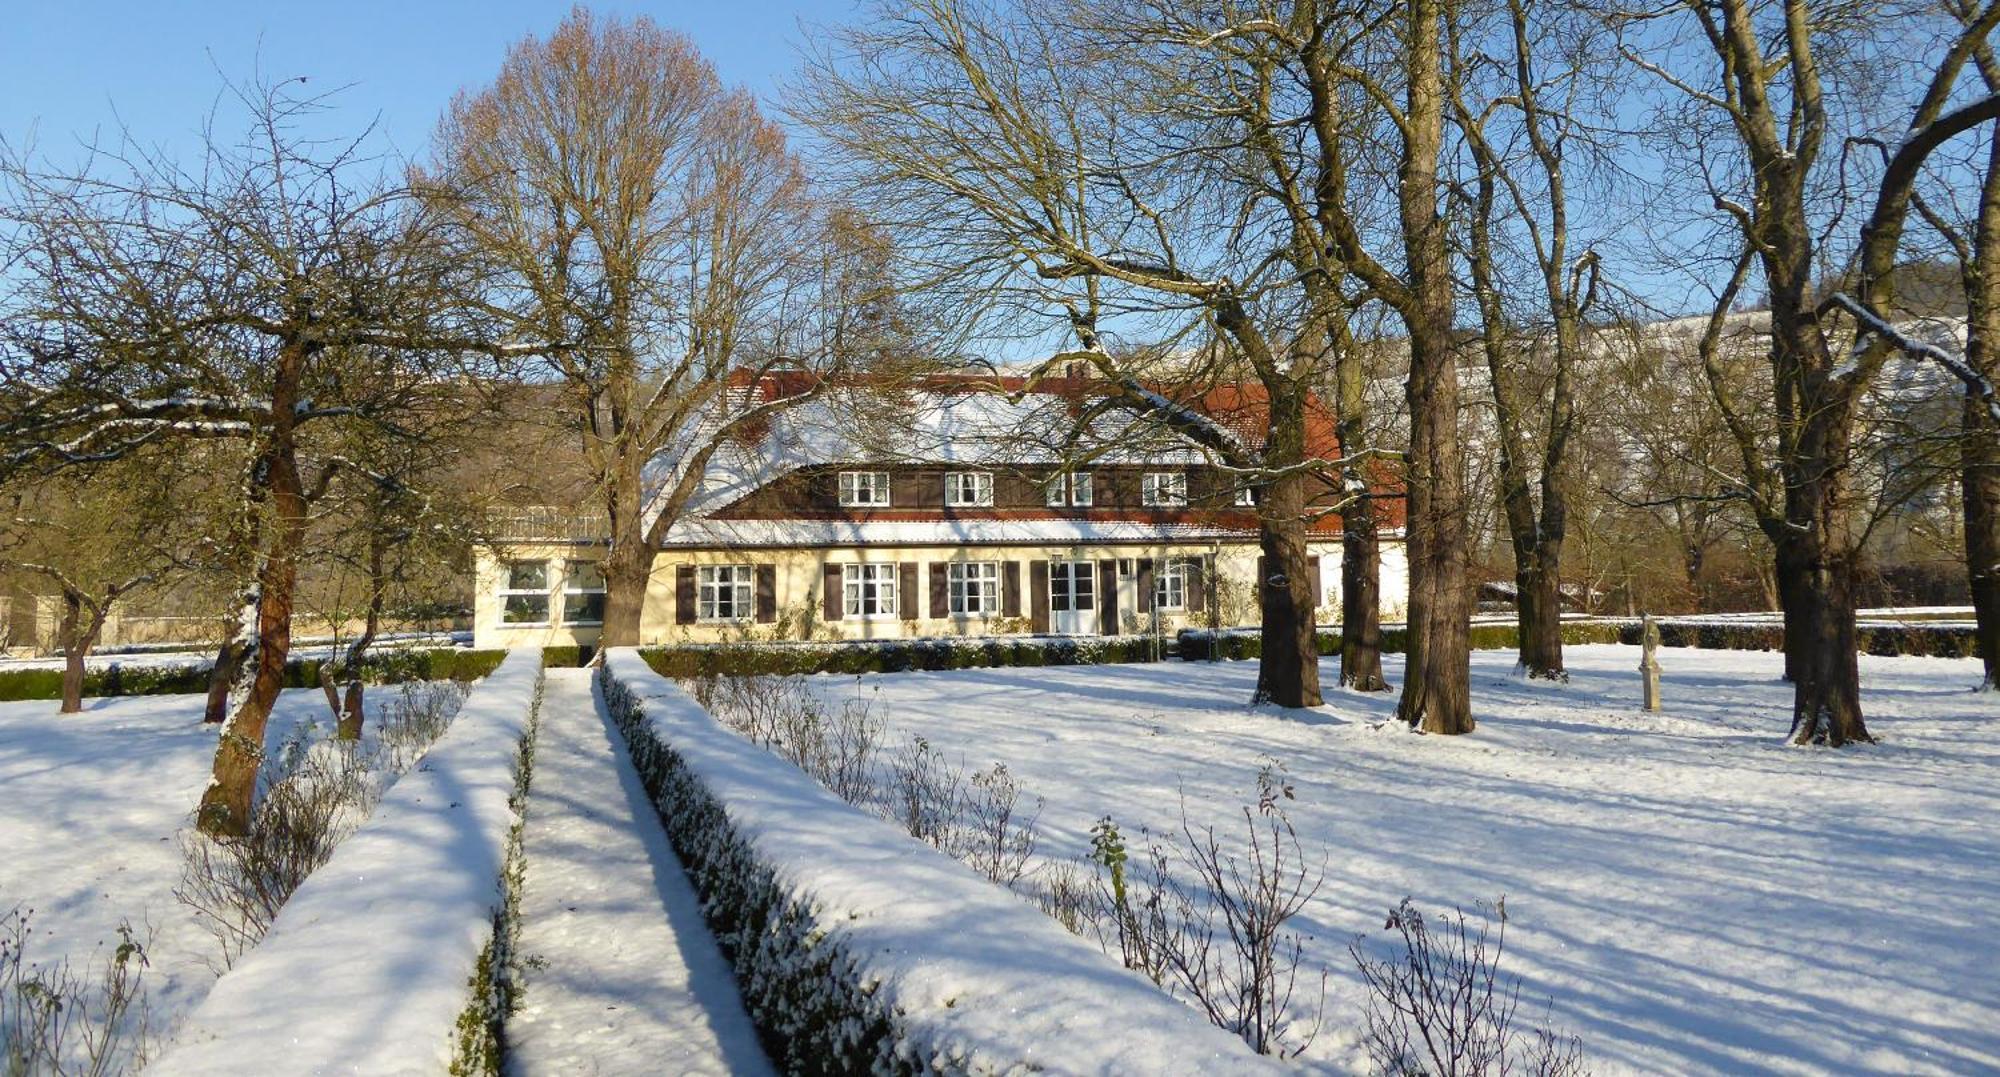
583, 593
1069, 488
1170, 585
524, 593
868, 590
724, 592
968, 489
864, 489
1163, 489
1246, 497
974, 587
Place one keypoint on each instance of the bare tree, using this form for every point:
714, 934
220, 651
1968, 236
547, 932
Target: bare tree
1978, 257
1137, 172
1763, 163
651, 231
96, 542
1534, 418
271, 297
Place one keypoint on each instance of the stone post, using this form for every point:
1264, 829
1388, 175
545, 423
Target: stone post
1649, 662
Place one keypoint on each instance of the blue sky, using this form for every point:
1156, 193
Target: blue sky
71, 67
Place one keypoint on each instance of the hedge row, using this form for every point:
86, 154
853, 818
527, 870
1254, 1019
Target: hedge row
1202, 644
860, 950
1941, 641
899, 655
370, 965
123, 679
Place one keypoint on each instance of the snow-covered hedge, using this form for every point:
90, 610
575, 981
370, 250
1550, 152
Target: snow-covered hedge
859, 950
370, 966
898, 655
140, 677
1202, 644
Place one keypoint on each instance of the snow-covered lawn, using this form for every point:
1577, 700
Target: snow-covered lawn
1691, 894
89, 807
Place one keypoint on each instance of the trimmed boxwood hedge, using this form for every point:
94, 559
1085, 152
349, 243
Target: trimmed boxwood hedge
128, 679
1886, 640
899, 655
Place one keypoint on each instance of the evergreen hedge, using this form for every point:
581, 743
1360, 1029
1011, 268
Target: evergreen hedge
134, 679
1202, 644
1885, 639
899, 655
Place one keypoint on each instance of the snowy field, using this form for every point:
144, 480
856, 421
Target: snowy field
89, 807
1691, 895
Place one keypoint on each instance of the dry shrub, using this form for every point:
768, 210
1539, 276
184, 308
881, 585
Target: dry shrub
58, 1021
1208, 921
1442, 1007
316, 792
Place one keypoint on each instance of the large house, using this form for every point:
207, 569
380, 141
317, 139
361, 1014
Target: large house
959, 508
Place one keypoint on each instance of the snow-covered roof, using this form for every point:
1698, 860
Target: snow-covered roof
703, 533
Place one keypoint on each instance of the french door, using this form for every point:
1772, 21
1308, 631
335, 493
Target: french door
1073, 598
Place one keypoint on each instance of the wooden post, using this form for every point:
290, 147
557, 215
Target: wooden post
1649, 662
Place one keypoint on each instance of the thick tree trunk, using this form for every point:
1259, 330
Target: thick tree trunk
1437, 694
628, 564
1826, 693
1538, 613
1288, 669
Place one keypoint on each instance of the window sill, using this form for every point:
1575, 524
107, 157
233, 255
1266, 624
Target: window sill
527, 624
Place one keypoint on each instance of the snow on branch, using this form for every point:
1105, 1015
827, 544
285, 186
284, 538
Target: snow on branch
1874, 325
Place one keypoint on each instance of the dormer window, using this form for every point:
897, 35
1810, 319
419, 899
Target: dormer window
1069, 488
968, 489
1163, 489
1246, 497
864, 489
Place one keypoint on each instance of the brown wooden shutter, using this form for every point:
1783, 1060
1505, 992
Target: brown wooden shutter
1197, 585
833, 606
684, 605
1144, 585
767, 594
1314, 562
1010, 589
1107, 597
1038, 595
940, 592
906, 590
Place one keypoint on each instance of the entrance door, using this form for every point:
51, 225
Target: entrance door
1073, 598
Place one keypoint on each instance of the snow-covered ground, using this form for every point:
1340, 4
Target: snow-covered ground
89, 807
621, 975
1691, 894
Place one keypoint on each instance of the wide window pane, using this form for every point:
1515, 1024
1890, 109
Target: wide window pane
525, 609
584, 608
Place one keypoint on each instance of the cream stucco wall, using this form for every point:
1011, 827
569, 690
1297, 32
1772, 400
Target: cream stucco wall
799, 574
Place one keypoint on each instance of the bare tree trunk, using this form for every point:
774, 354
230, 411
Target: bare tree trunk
1980, 450
628, 564
347, 725
1361, 599
1288, 667
70, 632
1437, 694
1360, 539
239, 752
236, 646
